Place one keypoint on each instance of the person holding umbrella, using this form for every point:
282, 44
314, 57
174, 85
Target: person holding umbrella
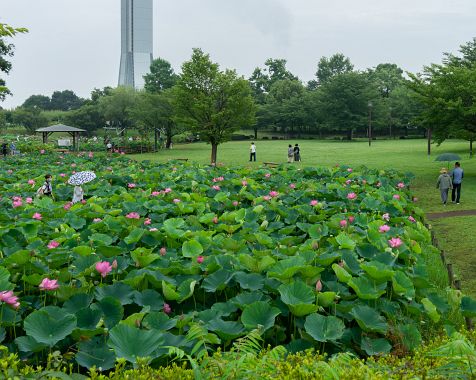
77, 180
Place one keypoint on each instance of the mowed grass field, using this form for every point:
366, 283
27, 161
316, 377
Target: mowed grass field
456, 235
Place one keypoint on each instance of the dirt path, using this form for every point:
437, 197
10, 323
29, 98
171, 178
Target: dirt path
450, 214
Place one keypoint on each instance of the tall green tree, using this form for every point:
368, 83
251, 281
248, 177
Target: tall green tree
88, 117
29, 118
42, 102
116, 107
6, 51
328, 68
211, 102
65, 100
161, 76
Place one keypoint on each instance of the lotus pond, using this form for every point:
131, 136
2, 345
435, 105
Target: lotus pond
180, 258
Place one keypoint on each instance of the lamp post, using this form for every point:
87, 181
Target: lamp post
370, 105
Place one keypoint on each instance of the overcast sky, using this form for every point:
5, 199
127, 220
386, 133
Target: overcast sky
75, 44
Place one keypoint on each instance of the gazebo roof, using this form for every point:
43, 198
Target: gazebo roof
60, 128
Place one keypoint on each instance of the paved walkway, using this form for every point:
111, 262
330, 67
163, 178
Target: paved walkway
450, 214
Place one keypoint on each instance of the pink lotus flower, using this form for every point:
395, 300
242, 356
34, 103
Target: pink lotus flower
147, 222
236, 203
267, 175
36, 216
31, 182
53, 244
200, 259
386, 216
351, 196
29, 200
18, 203
167, 308
73, 165
244, 183
114, 264
350, 170
351, 219
218, 179
292, 186
9, 171
133, 215
42, 151
123, 153
48, 284
62, 175
401, 185
163, 251
383, 229
215, 220
153, 229
411, 219
131, 185
155, 194
83, 201
167, 190
216, 187
97, 220
348, 182
314, 202
395, 242
103, 267
396, 196
343, 223
90, 155
9, 298
318, 286
176, 200
16, 198
67, 206
273, 194
415, 199
266, 197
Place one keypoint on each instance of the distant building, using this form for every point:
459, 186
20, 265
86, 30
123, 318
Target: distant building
136, 42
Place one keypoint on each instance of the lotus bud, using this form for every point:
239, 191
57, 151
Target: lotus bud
163, 251
315, 245
318, 286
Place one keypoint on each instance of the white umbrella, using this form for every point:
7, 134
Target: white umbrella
81, 178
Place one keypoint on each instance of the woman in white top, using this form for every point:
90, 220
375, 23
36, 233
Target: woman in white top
78, 194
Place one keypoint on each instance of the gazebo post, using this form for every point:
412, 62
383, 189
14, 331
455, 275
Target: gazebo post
45, 137
74, 141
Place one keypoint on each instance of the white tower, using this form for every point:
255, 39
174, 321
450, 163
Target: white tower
136, 42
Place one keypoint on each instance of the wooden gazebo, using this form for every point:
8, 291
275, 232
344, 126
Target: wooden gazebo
74, 132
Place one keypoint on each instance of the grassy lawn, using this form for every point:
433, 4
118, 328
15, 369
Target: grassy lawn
457, 236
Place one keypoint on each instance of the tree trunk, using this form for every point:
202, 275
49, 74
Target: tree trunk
349, 134
156, 145
214, 153
256, 132
470, 148
168, 141
429, 141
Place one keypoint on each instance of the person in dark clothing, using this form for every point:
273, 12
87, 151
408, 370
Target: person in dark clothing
457, 175
4, 149
297, 153
46, 188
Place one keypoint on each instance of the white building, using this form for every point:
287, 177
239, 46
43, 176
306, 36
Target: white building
136, 42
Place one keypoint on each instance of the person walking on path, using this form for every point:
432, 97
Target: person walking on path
297, 153
290, 154
444, 184
252, 152
457, 175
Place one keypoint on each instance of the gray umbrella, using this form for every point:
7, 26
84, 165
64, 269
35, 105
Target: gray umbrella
81, 178
448, 157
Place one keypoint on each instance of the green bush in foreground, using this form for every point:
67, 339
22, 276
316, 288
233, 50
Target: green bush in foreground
442, 358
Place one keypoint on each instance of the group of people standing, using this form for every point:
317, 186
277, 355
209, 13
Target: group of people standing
452, 180
294, 153
47, 190
13, 149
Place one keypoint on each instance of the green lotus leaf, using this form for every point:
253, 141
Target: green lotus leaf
149, 298
122, 292
345, 241
341, 273
159, 321
186, 289
328, 258
324, 329
144, 257
468, 307
4, 279
299, 297
112, 311
30, 230
369, 320
88, 318
378, 271
372, 346
217, 281
287, 268
318, 231
226, 330
259, 314
191, 248
366, 288
94, 353
411, 337
430, 309
101, 239
131, 343
251, 281
49, 325
173, 228
169, 292
28, 344
246, 298
135, 235
18, 258
403, 285
326, 299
